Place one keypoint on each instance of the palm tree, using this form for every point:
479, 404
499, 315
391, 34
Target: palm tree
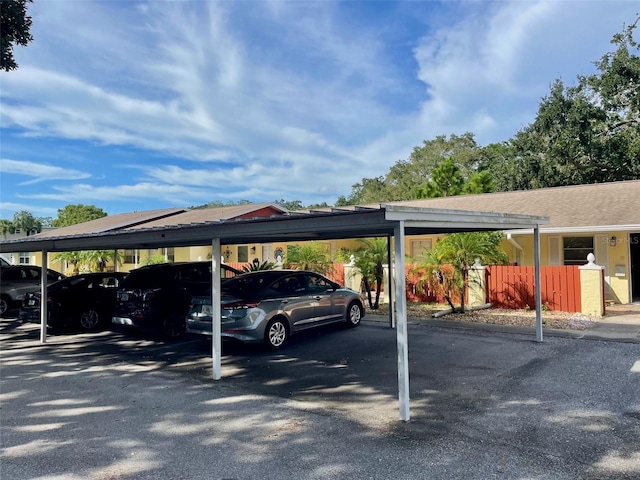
309, 256
460, 250
72, 258
256, 266
370, 260
6, 227
97, 260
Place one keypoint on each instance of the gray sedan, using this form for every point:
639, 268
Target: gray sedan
271, 305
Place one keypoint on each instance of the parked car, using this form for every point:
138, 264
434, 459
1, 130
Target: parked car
271, 305
85, 301
16, 280
158, 297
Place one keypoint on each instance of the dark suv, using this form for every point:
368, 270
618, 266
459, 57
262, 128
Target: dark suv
158, 297
16, 280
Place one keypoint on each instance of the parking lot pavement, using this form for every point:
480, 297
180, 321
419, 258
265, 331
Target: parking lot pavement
107, 405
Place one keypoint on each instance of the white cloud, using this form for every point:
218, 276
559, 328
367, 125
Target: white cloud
39, 172
295, 100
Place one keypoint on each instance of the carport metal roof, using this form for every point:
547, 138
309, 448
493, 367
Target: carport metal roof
336, 223
385, 220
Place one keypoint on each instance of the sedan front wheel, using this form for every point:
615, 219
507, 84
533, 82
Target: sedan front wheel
354, 315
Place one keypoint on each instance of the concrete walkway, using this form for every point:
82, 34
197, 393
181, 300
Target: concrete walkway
621, 324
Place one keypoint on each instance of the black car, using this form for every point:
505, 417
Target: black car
17, 280
85, 301
158, 297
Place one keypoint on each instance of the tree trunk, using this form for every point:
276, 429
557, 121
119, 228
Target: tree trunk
463, 290
367, 288
379, 280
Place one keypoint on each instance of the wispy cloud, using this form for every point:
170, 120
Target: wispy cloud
294, 100
39, 172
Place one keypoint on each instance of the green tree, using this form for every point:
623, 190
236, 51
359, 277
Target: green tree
77, 213
97, 260
6, 227
406, 178
26, 222
153, 259
91, 260
446, 181
290, 205
220, 203
369, 260
308, 256
72, 258
459, 251
15, 27
588, 133
257, 266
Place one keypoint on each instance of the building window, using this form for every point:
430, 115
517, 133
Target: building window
243, 253
576, 249
25, 259
130, 256
170, 254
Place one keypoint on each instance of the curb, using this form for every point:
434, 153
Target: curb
599, 332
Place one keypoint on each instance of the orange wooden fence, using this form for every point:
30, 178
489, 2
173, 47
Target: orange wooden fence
508, 286
514, 287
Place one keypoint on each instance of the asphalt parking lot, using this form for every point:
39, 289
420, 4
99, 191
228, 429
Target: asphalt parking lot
484, 405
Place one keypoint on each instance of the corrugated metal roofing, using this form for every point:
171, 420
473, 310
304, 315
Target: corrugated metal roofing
111, 223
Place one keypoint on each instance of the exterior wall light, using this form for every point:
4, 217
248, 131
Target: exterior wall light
613, 241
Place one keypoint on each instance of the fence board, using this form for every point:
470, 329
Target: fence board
514, 287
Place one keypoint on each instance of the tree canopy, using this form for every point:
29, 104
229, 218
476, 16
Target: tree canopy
587, 133
15, 27
26, 222
411, 178
77, 213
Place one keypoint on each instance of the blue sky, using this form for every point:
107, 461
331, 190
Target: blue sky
141, 105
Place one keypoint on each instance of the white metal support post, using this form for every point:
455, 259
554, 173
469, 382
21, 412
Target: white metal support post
536, 254
216, 315
401, 324
44, 305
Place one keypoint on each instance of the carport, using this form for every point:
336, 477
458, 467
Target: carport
394, 221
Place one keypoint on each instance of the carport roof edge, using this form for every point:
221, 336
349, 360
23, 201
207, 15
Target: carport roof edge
336, 223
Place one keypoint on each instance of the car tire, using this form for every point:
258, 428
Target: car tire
276, 333
5, 303
89, 319
173, 326
354, 315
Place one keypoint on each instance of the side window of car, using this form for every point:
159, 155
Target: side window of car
317, 284
201, 273
286, 285
109, 282
33, 274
